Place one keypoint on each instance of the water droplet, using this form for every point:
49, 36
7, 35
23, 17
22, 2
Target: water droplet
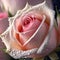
18, 52
14, 54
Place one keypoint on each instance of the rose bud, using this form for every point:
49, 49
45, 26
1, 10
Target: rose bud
31, 32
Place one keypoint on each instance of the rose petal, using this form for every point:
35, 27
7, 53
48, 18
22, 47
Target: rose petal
38, 35
51, 44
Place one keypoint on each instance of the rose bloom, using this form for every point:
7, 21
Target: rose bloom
31, 32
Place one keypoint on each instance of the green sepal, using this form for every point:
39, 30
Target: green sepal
9, 14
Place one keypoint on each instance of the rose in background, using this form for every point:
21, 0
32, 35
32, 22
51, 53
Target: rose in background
13, 6
31, 32
3, 27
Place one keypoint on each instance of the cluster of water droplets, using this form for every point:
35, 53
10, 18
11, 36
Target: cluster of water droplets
20, 54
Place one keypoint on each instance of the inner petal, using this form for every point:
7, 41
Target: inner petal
28, 28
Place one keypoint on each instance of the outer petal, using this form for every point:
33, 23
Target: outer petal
38, 36
51, 45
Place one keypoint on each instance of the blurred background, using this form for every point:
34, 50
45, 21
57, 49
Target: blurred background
12, 6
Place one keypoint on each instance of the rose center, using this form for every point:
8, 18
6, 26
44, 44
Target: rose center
26, 22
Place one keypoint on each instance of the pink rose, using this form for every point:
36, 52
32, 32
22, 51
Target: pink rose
31, 32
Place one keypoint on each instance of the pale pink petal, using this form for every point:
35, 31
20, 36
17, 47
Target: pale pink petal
38, 38
30, 30
52, 43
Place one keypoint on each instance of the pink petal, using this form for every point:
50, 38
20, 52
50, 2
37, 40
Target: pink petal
27, 25
30, 30
52, 44
38, 38
3, 15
